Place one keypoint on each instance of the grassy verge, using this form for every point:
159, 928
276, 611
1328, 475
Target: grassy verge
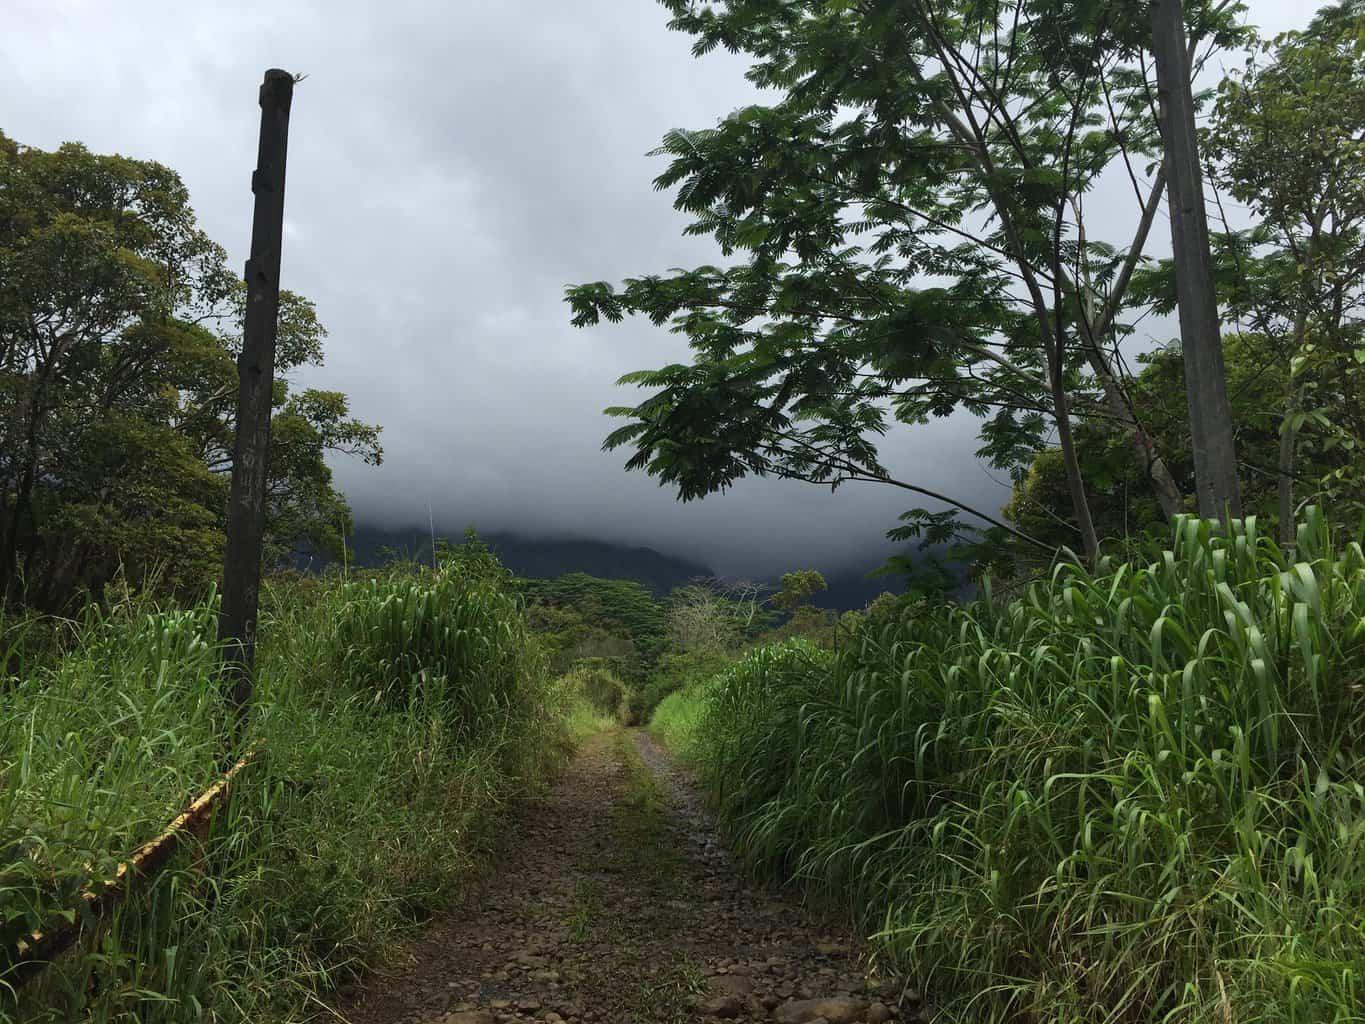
399, 717
583, 719
601, 692
675, 721
1136, 794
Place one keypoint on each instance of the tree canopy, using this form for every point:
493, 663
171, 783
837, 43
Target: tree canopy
1288, 140
119, 329
908, 219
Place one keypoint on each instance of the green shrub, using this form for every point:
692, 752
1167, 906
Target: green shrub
1130, 795
604, 691
679, 671
454, 641
676, 719
27, 644
397, 721
584, 720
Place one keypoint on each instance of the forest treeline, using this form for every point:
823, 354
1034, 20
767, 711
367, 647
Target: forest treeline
120, 323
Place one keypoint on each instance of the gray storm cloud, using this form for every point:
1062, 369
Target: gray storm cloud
452, 167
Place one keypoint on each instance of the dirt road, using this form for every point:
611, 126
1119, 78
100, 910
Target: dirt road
617, 903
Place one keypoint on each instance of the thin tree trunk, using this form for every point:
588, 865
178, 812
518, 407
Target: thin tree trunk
1167, 491
1075, 483
1213, 442
1054, 347
1053, 352
9, 545
1288, 440
969, 132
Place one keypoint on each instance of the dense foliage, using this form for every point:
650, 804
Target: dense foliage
585, 616
1123, 508
627, 650
357, 820
909, 217
1284, 142
1135, 793
604, 692
119, 328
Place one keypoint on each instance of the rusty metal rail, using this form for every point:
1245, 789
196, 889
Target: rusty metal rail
33, 953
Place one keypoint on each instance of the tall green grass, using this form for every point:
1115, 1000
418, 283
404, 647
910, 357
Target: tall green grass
757, 694
676, 719
452, 641
603, 690
1136, 794
583, 720
398, 717
98, 754
680, 671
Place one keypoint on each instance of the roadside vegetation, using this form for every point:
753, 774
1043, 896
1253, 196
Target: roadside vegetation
1139, 786
1125, 783
627, 650
398, 718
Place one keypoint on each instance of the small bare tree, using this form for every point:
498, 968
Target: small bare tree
748, 595
700, 618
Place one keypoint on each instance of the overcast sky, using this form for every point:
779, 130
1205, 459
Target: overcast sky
451, 168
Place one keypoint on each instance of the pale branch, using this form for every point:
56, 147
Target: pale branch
1119, 289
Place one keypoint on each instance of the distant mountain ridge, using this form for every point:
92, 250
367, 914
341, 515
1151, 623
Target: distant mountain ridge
849, 587
528, 556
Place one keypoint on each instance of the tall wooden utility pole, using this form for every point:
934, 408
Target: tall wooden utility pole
256, 373
1215, 454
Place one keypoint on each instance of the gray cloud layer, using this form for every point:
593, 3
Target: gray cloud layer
452, 167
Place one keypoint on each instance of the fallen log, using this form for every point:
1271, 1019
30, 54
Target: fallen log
33, 953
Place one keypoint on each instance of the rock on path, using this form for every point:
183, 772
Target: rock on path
615, 902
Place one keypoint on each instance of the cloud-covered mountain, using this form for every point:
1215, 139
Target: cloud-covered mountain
850, 586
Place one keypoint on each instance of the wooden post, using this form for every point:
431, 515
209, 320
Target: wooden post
256, 374
1215, 455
